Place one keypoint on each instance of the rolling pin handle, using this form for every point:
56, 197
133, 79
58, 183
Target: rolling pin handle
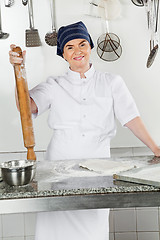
31, 154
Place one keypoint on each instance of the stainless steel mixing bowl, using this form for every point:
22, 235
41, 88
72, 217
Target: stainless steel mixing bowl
18, 172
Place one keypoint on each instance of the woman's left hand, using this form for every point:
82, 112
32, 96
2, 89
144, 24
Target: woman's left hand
137, 127
157, 152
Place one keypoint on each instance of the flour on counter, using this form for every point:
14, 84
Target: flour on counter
105, 166
60, 170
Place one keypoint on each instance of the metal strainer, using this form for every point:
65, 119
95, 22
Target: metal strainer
108, 44
108, 50
106, 38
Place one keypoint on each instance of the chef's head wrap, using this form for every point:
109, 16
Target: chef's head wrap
70, 32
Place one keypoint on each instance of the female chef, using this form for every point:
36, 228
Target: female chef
83, 105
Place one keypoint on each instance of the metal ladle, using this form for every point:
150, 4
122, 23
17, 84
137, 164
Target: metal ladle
51, 37
2, 34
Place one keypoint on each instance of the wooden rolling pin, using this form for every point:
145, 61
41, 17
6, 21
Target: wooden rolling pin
24, 107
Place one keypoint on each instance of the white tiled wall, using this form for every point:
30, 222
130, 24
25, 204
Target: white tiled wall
134, 223
18, 226
125, 224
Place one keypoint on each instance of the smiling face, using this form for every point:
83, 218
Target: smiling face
77, 53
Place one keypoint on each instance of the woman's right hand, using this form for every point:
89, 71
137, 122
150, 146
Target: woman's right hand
14, 57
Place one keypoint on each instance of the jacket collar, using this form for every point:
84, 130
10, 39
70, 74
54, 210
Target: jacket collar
75, 78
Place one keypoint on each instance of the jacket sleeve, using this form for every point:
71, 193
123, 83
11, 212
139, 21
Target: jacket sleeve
41, 94
124, 105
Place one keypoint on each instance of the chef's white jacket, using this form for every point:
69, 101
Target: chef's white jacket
82, 116
82, 112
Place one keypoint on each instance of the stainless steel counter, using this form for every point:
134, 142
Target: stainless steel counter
63, 185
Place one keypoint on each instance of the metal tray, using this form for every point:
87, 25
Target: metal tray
149, 175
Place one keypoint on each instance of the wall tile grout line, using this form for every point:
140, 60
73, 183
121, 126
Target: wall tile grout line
114, 238
136, 226
24, 222
137, 231
159, 223
114, 235
2, 225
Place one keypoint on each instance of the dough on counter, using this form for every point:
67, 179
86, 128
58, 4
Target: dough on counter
108, 167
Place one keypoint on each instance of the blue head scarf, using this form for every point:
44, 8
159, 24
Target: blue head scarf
70, 32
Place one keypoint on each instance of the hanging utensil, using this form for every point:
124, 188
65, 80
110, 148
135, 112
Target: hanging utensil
24, 2
157, 13
153, 28
111, 55
9, 3
109, 37
2, 34
51, 37
146, 4
152, 56
138, 3
108, 48
32, 35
